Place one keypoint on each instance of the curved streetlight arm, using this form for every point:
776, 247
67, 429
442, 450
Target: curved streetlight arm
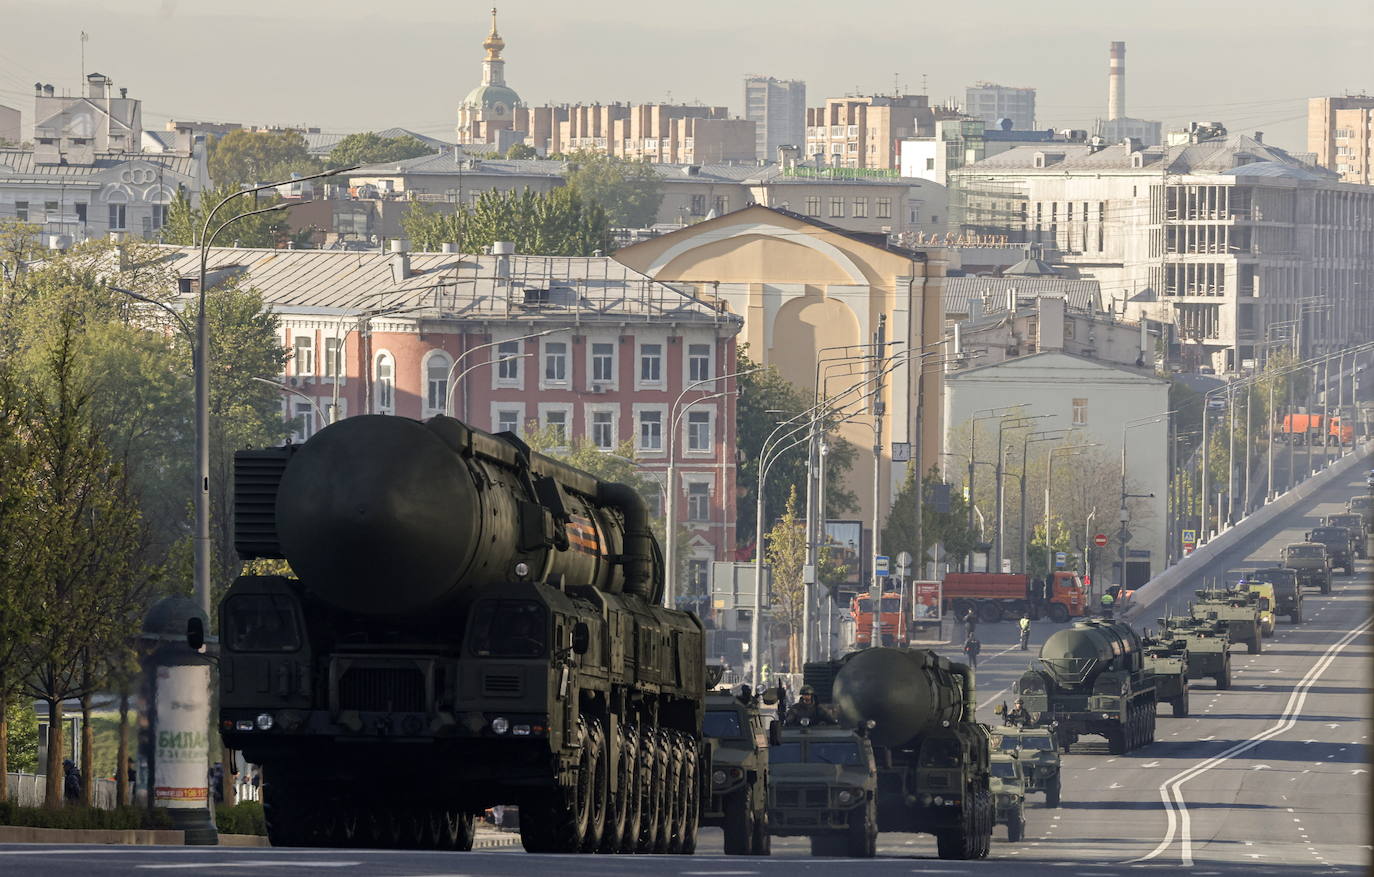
453, 384
475, 366
292, 390
265, 186
176, 315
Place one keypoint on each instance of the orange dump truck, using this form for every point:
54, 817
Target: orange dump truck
995, 595
1308, 427
892, 625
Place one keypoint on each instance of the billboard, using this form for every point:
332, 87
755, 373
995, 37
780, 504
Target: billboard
845, 541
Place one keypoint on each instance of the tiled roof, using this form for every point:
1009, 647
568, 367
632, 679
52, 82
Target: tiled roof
1220, 155
451, 286
19, 164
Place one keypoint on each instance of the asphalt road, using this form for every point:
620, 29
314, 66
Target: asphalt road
1268, 778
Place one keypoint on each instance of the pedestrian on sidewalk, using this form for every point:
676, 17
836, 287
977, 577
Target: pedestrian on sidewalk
971, 648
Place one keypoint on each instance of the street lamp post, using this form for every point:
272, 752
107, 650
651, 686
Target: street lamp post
1048, 435
314, 402
1018, 422
988, 414
1065, 450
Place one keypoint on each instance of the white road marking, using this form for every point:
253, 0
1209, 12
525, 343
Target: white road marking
1261, 767
1357, 771
1114, 786
1171, 791
1151, 764
1208, 737
260, 863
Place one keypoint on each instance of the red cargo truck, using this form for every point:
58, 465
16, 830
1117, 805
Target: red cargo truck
995, 595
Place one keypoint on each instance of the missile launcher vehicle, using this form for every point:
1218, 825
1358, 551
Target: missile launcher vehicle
1092, 679
469, 624
1207, 644
932, 754
1235, 610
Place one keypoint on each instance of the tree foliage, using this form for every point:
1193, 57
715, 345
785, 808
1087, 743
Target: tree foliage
368, 147
251, 157
554, 223
518, 151
949, 529
630, 192
269, 230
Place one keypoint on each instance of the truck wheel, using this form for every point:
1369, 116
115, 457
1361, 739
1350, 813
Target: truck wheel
599, 786
1224, 680
1016, 828
739, 817
620, 774
1296, 617
1180, 704
1326, 584
650, 790
457, 830
556, 820
667, 792
1059, 613
763, 842
633, 801
286, 813
828, 845
1253, 646
1116, 740
692, 789
1052, 792
990, 612
986, 818
860, 834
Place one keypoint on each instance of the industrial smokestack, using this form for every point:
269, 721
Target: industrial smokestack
1116, 82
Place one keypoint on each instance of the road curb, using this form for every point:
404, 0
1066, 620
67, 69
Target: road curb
23, 834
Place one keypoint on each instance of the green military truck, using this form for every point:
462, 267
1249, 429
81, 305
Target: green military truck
933, 754
1340, 546
1167, 658
739, 734
824, 786
1310, 562
1208, 646
1287, 594
1363, 506
1234, 610
1008, 786
1354, 522
1092, 680
1038, 751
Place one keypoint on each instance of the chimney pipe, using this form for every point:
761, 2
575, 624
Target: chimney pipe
1116, 82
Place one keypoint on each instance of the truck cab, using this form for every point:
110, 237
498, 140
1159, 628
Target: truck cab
1354, 522
892, 628
824, 785
1340, 547
1310, 562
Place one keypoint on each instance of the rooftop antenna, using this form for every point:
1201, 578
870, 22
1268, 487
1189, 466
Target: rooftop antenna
924, 90
896, 86
84, 39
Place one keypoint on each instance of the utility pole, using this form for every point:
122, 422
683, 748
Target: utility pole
879, 343
1231, 456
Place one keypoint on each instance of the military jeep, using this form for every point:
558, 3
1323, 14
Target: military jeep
1038, 751
823, 785
739, 733
1007, 783
1310, 562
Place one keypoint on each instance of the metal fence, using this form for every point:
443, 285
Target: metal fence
27, 790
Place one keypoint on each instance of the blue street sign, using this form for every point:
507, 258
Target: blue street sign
880, 565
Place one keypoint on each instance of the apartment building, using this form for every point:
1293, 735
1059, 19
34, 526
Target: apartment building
864, 132
992, 103
777, 107
1340, 132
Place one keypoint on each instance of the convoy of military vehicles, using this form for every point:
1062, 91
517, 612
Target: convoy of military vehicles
520, 637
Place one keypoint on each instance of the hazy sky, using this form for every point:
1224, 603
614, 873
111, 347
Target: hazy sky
348, 65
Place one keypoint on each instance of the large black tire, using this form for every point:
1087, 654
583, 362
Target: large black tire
1180, 704
962, 842
739, 819
1224, 680
692, 791
862, 837
1016, 828
622, 777
1059, 613
667, 794
989, 612
1326, 584
1296, 617
556, 820
762, 841
651, 790
987, 817
675, 814
1116, 740
1052, 790
1254, 646
829, 845
287, 812
457, 830
634, 800
600, 786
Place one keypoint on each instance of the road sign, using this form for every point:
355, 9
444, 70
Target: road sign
904, 562
880, 565
1059, 558
1100, 540
1189, 539
901, 452
1123, 535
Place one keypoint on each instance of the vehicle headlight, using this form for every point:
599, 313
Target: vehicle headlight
264, 721
500, 725
718, 777
243, 725
846, 796
939, 801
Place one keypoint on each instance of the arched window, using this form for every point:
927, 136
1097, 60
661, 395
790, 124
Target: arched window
437, 365
384, 380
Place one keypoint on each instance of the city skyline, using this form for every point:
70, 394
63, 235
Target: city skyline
440, 47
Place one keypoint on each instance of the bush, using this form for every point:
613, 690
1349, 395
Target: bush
85, 818
243, 818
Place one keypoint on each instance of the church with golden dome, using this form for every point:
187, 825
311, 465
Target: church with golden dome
490, 107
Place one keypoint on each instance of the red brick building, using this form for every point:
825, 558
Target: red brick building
614, 357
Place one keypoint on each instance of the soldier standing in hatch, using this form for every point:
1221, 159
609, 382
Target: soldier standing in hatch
807, 708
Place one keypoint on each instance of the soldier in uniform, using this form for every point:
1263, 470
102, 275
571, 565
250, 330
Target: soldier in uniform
807, 708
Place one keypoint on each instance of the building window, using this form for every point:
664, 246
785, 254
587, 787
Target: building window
698, 362
603, 363
51, 212
837, 207
555, 425
81, 207
884, 208
304, 421
556, 362
21, 211
930, 164
721, 205
333, 357
699, 431
384, 374
159, 216
507, 420
1080, 412
603, 430
117, 217
698, 501
304, 354
860, 208
651, 363
651, 430
436, 383
813, 205
698, 205
507, 361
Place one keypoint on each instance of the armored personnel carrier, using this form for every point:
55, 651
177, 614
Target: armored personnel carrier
1310, 562
1234, 610
1207, 644
932, 753
739, 734
824, 786
1340, 546
1038, 751
1167, 658
1092, 679
1008, 786
469, 624
1287, 594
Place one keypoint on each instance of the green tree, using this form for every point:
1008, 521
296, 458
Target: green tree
554, 223
519, 151
428, 229
21, 745
629, 191
184, 221
252, 157
369, 147
949, 528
